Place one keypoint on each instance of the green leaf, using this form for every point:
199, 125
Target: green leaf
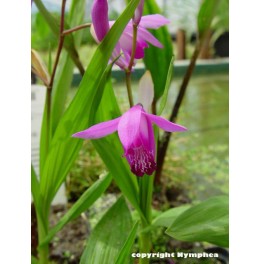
166, 218
206, 13
126, 249
166, 89
82, 204
207, 221
220, 22
64, 148
109, 235
157, 60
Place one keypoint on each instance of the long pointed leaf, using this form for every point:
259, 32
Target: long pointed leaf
109, 235
167, 86
157, 60
205, 16
207, 221
166, 218
126, 249
63, 144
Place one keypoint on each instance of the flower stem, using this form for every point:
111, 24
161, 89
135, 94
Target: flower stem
134, 45
60, 45
128, 85
68, 31
128, 70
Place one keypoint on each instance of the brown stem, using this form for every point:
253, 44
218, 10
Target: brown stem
79, 66
128, 85
68, 31
134, 45
60, 45
154, 107
50, 85
128, 70
163, 146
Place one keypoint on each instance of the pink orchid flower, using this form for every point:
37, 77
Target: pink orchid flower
101, 25
136, 135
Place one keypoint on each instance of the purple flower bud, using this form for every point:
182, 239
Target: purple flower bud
100, 18
138, 13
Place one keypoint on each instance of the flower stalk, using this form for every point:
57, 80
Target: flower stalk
60, 45
69, 31
128, 71
128, 85
134, 45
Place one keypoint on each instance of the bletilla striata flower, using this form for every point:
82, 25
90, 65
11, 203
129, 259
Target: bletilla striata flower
135, 131
101, 25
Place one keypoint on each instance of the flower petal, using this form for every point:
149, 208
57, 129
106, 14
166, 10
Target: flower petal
126, 42
153, 21
146, 91
99, 130
129, 126
145, 35
100, 18
165, 124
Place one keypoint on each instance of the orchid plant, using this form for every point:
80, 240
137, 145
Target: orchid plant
131, 156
